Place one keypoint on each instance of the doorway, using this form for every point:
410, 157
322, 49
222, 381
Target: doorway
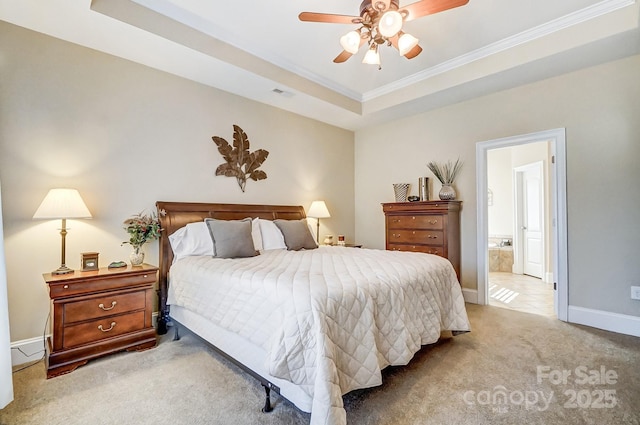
527, 183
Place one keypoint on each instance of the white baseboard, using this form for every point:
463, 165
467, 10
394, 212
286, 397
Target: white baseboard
32, 349
470, 295
614, 322
26, 351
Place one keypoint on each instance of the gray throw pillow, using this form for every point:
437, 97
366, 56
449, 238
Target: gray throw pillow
231, 238
296, 234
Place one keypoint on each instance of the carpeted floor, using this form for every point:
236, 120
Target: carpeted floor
508, 370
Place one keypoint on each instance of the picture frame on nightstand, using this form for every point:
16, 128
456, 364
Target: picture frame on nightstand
89, 261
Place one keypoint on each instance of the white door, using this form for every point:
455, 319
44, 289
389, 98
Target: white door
532, 221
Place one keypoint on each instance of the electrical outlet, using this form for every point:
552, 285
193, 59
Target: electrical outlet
635, 292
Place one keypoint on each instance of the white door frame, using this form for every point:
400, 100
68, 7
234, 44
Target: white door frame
558, 171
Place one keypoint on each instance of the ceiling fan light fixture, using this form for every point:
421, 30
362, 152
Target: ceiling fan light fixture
372, 57
406, 42
350, 42
390, 23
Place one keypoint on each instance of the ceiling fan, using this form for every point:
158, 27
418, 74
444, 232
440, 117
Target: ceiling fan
381, 23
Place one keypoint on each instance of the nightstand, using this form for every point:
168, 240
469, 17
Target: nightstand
99, 312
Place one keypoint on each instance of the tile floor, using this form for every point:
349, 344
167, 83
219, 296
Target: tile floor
522, 293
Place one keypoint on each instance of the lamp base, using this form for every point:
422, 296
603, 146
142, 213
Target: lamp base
62, 270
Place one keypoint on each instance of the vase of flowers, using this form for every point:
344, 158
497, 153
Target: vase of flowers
446, 174
141, 228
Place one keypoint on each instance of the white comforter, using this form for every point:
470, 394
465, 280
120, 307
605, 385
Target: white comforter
332, 318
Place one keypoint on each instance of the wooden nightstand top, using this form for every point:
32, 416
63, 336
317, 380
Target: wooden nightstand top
100, 273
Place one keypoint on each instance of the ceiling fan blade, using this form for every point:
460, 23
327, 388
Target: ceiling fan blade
342, 57
429, 7
329, 18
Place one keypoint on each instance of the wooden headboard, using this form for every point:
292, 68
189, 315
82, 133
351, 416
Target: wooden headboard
174, 215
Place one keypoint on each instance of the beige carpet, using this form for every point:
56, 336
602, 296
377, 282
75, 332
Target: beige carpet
489, 376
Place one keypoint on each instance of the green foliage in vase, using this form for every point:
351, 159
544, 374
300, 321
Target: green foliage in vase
241, 163
142, 228
446, 173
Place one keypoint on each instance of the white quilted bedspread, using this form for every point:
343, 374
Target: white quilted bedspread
332, 318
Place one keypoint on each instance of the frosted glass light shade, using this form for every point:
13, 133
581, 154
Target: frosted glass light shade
390, 23
350, 42
406, 42
372, 57
318, 209
62, 203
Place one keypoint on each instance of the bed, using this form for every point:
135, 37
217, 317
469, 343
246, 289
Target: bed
311, 324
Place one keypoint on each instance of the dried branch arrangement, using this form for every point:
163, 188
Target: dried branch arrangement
446, 173
241, 163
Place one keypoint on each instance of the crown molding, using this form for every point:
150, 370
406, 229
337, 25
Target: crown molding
594, 11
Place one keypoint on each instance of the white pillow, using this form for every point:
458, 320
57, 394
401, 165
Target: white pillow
192, 239
256, 235
272, 237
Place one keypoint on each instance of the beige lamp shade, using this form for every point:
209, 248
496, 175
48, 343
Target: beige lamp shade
318, 209
62, 203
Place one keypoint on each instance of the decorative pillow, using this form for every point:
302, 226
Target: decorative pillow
231, 238
272, 237
192, 239
296, 234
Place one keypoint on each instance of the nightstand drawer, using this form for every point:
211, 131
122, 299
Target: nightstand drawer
435, 250
415, 222
91, 284
425, 237
107, 305
96, 330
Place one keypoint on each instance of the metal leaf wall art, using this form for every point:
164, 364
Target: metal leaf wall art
241, 163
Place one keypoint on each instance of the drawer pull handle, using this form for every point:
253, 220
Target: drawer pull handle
113, 304
113, 324
396, 235
432, 237
397, 220
433, 221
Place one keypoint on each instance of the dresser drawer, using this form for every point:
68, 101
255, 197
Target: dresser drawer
105, 282
95, 330
107, 305
435, 250
428, 237
434, 222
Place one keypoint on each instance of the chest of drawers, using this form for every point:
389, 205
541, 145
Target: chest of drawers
432, 227
96, 313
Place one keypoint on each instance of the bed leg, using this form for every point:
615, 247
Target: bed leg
176, 335
267, 403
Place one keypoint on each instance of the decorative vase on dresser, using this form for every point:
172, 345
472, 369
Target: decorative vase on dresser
432, 227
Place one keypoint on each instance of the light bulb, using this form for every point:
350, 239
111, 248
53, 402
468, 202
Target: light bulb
372, 57
350, 42
390, 23
406, 42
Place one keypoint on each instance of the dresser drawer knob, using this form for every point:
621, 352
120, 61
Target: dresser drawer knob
113, 304
145, 276
414, 232
113, 324
413, 218
65, 287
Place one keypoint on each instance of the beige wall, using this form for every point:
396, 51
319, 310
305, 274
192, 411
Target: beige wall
126, 136
599, 107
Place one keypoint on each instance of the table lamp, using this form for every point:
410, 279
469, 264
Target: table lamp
318, 210
62, 204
